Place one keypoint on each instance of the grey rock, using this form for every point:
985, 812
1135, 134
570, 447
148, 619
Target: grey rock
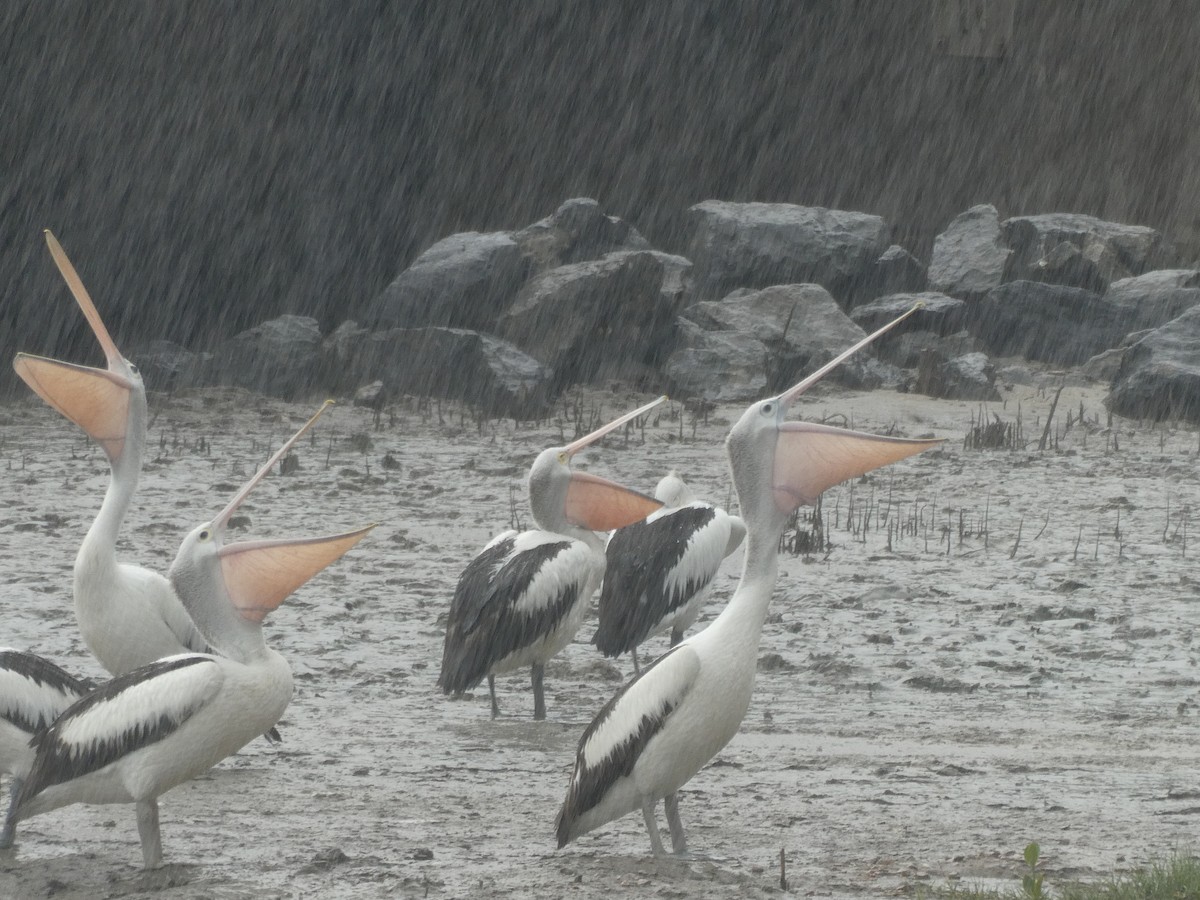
719, 366
166, 366
760, 341
1155, 298
896, 272
969, 257
1079, 250
1159, 376
279, 358
454, 363
800, 327
577, 231
939, 313
465, 281
905, 350
589, 320
968, 377
337, 370
1046, 322
755, 245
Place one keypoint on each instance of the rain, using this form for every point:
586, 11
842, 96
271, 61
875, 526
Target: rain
487, 229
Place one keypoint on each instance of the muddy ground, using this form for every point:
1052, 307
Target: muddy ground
1003, 654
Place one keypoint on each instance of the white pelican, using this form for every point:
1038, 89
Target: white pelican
667, 723
33, 693
658, 571
522, 599
150, 729
128, 615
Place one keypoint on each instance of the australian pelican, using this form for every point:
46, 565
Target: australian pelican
658, 571
521, 600
668, 722
148, 730
129, 615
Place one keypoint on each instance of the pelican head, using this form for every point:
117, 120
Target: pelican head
560, 497
779, 465
110, 403
673, 491
229, 588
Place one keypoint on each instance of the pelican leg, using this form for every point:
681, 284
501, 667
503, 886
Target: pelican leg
539, 695
147, 819
676, 636
492, 693
9, 831
678, 840
637, 670
656, 844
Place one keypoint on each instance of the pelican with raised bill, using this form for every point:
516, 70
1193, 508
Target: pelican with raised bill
658, 571
521, 600
155, 727
33, 693
667, 723
129, 615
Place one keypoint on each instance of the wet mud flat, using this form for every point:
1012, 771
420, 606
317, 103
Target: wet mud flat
989, 647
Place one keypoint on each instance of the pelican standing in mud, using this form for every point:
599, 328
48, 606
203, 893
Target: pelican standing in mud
521, 600
155, 727
658, 571
667, 723
33, 693
129, 615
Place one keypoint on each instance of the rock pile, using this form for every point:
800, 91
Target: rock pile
766, 291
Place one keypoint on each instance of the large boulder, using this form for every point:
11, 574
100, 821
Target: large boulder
1153, 299
895, 272
577, 231
601, 318
968, 377
1159, 376
279, 358
969, 256
754, 245
465, 281
938, 313
454, 363
756, 341
1046, 322
719, 366
1077, 250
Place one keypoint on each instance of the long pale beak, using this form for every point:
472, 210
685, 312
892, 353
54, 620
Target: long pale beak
810, 458
259, 575
97, 400
223, 517
598, 504
75, 283
792, 393
575, 446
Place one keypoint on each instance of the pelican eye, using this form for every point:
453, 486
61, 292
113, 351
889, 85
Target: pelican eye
133, 369
768, 408
562, 457
206, 534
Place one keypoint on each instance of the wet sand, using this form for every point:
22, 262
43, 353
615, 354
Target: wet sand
932, 692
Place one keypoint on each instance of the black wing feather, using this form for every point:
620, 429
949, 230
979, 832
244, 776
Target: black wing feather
483, 627
634, 597
40, 671
589, 784
58, 761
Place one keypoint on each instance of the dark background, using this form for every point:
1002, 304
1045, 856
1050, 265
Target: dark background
210, 165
